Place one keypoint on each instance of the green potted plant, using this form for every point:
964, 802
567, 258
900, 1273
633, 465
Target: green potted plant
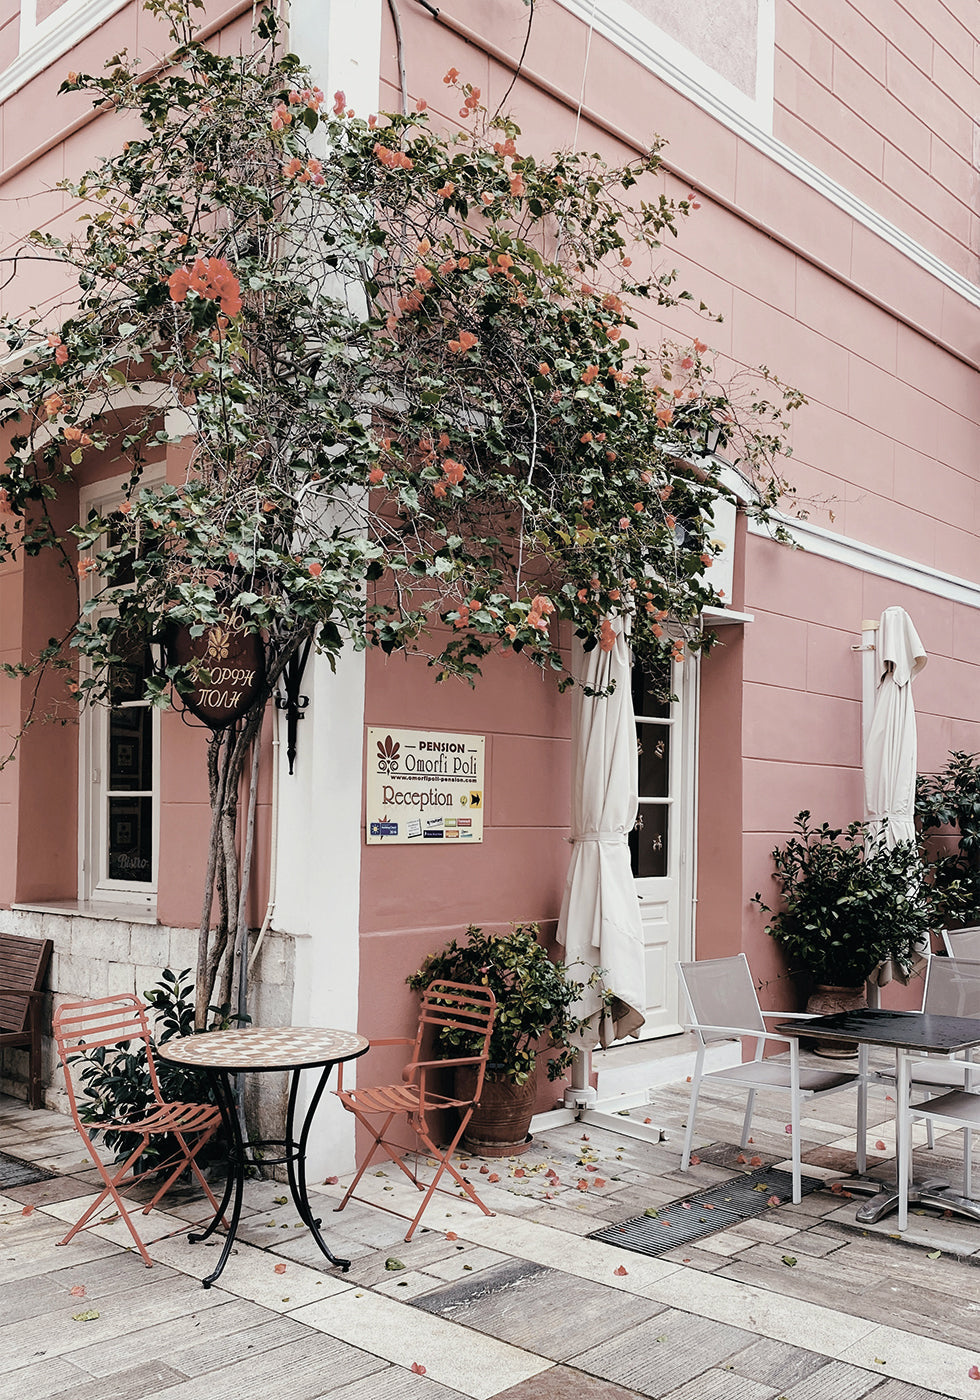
848, 904
535, 1004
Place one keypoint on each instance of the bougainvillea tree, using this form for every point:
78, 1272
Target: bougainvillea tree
406, 368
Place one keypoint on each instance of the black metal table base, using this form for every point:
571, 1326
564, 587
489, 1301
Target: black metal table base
936, 1192
241, 1156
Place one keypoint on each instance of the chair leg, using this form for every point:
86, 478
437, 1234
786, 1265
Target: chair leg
185, 1160
378, 1134
111, 1189
692, 1109
967, 1162
445, 1165
747, 1120
35, 1088
794, 1077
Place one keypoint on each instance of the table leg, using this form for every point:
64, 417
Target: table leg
861, 1145
903, 1133
235, 1180
296, 1160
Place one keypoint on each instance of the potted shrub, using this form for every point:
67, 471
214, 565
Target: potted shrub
849, 903
535, 1003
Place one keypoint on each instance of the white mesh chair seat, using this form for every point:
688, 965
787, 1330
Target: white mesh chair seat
724, 1006
771, 1074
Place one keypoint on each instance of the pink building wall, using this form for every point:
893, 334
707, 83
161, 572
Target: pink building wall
886, 451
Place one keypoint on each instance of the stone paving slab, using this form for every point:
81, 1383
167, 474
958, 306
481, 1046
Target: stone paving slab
662, 1353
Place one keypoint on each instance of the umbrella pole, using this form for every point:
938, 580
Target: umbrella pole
869, 672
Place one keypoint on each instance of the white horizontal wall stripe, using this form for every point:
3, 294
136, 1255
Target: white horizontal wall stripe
855, 554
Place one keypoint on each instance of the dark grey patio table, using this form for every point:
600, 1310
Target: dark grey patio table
258, 1050
907, 1033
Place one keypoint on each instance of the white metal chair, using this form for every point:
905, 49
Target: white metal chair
962, 942
724, 1006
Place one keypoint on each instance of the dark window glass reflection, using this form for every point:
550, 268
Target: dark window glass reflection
131, 838
653, 752
131, 749
648, 841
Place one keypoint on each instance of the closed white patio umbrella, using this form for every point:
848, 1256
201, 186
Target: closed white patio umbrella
890, 746
600, 914
890, 750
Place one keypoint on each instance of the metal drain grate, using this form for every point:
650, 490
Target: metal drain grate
703, 1214
14, 1172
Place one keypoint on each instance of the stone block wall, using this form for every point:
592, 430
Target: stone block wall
97, 957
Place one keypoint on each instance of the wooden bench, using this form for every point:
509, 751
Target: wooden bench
23, 964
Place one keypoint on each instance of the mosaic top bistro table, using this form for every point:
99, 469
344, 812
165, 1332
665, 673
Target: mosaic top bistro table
255, 1050
908, 1033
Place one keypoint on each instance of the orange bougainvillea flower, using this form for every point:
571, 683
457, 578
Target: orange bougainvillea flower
589, 373
664, 415
376, 476
607, 637
700, 346
86, 566
210, 278
453, 471
439, 490
544, 367
315, 569
447, 190
517, 184
467, 340
451, 76
53, 405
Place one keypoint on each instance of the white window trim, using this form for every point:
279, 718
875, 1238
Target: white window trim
672, 63
664, 55
93, 888
43, 43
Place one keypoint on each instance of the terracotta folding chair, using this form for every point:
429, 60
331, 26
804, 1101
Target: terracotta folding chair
445, 1005
80, 1027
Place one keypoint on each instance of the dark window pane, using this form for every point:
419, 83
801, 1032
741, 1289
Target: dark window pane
131, 838
651, 690
130, 749
653, 751
127, 677
648, 842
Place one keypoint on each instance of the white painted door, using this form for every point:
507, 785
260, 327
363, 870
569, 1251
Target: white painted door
662, 846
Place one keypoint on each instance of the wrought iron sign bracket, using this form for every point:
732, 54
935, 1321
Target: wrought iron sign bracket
292, 702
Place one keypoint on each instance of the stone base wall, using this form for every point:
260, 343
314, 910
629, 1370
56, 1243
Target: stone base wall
96, 957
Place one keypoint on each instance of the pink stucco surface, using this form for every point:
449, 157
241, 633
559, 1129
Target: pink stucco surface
881, 97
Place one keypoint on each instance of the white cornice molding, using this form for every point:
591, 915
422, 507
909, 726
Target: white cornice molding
748, 120
869, 559
53, 38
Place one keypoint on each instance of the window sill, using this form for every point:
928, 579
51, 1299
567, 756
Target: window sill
92, 909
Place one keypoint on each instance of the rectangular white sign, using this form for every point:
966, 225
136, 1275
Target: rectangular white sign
424, 787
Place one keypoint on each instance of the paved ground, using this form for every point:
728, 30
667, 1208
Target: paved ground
798, 1304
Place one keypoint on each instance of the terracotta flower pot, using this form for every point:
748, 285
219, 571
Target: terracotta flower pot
500, 1122
829, 1001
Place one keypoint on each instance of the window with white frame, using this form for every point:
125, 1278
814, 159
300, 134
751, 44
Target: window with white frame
49, 29
119, 761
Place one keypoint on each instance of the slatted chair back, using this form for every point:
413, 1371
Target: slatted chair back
23, 965
952, 987
962, 942
79, 1027
722, 994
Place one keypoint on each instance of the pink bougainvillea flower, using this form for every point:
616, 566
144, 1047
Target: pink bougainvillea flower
607, 637
421, 105
376, 476
700, 346
417, 1368
279, 1269
974, 1373
517, 184
422, 275
695, 1159
879, 1146
687, 362
544, 367
589, 373
773, 1201
621, 1272
452, 76
339, 103
467, 340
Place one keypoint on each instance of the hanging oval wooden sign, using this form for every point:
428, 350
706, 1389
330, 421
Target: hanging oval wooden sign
231, 665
